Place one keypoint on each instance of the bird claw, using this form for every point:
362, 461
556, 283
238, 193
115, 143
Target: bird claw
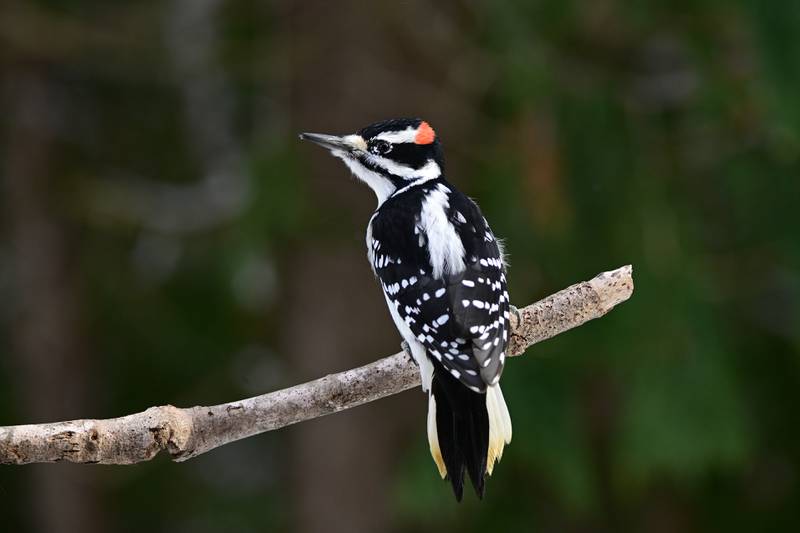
516, 313
407, 349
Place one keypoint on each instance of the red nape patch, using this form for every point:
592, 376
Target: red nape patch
425, 134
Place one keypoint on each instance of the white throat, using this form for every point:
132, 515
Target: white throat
382, 186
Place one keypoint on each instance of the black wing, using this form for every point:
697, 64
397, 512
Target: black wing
461, 319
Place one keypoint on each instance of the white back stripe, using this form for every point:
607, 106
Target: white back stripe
445, 248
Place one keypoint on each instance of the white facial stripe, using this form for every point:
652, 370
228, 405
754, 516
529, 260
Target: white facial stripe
430, 174
383, 186
426, 171
392, 167
403, 136
429, 171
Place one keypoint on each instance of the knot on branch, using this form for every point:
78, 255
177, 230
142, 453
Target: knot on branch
171, 429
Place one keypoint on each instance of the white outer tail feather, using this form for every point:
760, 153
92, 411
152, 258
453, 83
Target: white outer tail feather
499, 425
499, 429
433, 436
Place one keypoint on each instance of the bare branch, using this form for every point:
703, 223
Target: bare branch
186, 433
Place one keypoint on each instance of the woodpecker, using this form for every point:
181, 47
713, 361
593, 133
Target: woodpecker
443, 275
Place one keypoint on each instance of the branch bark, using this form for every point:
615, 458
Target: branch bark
186, 433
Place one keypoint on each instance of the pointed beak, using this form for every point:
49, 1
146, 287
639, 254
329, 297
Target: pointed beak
347, 144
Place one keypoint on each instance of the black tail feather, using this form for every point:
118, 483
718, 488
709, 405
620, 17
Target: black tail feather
462, 425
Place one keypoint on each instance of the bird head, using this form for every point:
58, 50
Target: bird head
387, 155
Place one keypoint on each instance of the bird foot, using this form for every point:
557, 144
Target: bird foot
513, 310
407, 349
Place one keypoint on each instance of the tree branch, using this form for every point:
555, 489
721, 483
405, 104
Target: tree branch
186, 433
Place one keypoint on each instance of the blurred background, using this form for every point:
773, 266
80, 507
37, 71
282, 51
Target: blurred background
165, 238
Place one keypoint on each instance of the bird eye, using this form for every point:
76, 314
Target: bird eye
381, 147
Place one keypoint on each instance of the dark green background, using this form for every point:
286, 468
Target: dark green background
166, 239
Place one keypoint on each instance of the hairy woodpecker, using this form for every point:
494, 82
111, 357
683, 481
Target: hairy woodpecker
443, 275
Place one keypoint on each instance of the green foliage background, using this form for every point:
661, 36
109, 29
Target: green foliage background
662, 134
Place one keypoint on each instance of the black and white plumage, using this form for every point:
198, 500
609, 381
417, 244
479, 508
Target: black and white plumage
443, 276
